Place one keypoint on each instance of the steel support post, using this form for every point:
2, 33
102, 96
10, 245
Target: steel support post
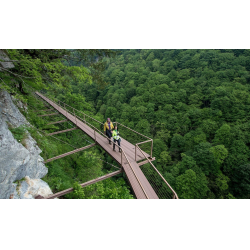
135, 151
65, 110
95, 135
121, 157
151, 154
75, 116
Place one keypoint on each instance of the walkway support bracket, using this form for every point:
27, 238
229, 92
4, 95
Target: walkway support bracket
145, 162
69, 190
69, 153
62, 131
138, 181
49, 114
57, 122
43, 110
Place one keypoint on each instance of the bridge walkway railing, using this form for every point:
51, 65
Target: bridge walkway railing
130, 153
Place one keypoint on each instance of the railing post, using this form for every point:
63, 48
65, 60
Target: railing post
84, 118
95, 135
121, 157
135, 151
75, 116
65, 110
151, 155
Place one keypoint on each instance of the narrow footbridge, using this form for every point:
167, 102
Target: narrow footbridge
131, 158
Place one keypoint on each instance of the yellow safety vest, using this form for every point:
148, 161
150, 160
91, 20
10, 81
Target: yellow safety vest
115, 135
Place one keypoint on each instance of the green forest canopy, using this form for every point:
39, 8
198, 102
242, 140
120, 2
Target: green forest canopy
193, 103
44, 67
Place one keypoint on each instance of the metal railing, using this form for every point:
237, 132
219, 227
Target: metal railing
148, 140
74, 113
175, 196
97, 130
123, 153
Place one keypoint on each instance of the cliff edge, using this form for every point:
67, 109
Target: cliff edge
21, 167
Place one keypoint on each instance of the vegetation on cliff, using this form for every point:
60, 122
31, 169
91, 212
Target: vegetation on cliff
194, 104
55, 71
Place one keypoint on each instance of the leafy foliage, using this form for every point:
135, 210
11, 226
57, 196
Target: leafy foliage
107, 189
62, 72
45, 68
195, 104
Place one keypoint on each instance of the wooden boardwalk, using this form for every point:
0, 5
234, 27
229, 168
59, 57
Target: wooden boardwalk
138, 181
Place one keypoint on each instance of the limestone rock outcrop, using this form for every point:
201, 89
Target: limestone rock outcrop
5, 61
17, 161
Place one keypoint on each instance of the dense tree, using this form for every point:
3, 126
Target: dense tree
65, 74
45, 67
193, 103
191, 185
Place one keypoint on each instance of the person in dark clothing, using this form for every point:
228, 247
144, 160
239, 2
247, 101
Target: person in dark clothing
116, 137
108, 126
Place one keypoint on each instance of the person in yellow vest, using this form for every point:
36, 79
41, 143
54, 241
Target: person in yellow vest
116, 138
108, 126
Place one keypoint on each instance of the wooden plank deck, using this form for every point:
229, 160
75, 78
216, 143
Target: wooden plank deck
138, 181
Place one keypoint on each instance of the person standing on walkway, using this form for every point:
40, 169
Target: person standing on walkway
108, 126
116, 138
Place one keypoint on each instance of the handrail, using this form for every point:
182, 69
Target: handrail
135, 174
67, 110
141, 144
133, 130
151, 156
151, 151
95, 129
121, 156
175, 195
101, 123
75, 109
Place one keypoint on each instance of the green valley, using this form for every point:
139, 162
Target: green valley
194, 104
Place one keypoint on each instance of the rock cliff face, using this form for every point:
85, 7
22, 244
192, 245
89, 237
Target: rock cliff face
16, 161
5, 61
